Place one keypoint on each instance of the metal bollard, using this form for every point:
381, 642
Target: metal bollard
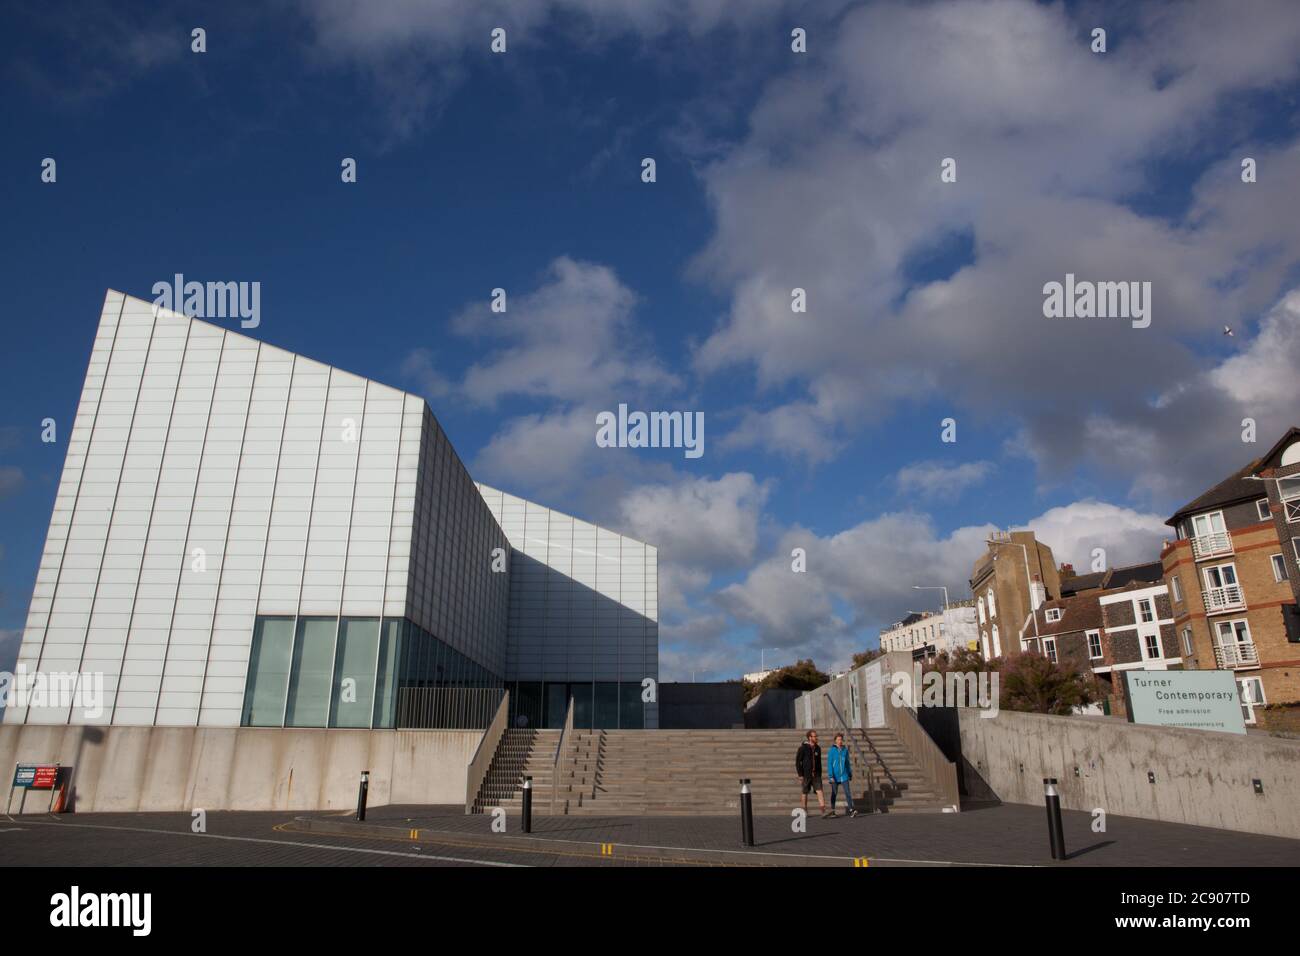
746, 814
528, 804
361, 794
1054, 832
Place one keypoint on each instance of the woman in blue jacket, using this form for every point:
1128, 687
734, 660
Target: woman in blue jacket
841, 774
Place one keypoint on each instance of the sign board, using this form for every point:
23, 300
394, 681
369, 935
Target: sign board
875, 694
1197, 700
34, 776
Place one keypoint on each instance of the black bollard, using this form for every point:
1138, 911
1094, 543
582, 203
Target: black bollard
746, 814
528, 804
1054, 832
361, 794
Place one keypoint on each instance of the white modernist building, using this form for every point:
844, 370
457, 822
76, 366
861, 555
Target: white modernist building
244, 536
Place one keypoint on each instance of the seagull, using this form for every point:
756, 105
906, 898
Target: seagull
1227, 330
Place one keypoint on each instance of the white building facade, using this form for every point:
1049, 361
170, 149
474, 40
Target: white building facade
929, 633
244, 536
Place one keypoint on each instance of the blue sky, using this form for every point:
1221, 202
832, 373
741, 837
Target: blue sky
774, 170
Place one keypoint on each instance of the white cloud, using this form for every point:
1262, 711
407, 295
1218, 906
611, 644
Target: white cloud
836, 189
862, 578
929, 479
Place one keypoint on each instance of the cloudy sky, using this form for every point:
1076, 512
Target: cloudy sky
776, 170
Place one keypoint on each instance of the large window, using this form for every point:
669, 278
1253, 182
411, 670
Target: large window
352, 704
360, 672
268, 672
313, 660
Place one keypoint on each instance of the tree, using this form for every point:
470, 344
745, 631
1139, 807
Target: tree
802, 675
1030, 682
866, 657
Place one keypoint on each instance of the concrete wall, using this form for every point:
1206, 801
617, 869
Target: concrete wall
1201, 777
772, 709
183, 768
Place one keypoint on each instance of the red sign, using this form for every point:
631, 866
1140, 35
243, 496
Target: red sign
44, 778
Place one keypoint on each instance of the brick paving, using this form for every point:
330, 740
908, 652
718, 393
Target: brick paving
1000, 834
991, 835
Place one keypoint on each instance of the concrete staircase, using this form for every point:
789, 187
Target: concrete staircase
694, 772
521, 753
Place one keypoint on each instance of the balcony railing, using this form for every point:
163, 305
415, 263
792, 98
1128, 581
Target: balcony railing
1211, 545
1231, 656
1228, 598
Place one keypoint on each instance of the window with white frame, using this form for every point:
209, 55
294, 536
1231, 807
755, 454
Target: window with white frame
1152, 642
1187, 642
1279, 567
1094, 645
1145, 611
1207, 524
993, 604
982, 618
997, 643
1289, 490
1053, 614
1221, 576
1049, 648
1251, 691
1295, 546
1261, 507
1176, 586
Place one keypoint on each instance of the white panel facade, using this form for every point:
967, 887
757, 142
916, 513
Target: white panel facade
238, 529
583, 599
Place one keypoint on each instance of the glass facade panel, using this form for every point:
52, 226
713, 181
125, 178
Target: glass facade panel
309, 683
268, 672
631, 715
390, 652
354, 672
606, 714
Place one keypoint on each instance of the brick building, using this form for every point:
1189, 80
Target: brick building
1108, 631
1233, 578
1016, 574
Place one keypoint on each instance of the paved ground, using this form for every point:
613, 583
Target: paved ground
994, 835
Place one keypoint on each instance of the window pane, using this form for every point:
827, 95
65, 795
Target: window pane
390, 652
631, 712
606, 705
354, 672
268, 672
309, 685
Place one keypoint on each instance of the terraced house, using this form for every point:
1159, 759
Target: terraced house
1110, 630
1234, 580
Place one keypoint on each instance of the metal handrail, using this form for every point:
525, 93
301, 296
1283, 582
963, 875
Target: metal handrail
559, 749
871, 774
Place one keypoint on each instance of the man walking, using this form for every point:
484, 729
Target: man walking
808, 767
841, 774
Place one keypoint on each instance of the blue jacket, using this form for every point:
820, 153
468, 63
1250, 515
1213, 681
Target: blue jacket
837, 763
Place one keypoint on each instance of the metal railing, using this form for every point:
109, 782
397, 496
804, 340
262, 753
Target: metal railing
447, 708
559, 752
1228, 598
1235, 655
1211, 545
871, 774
